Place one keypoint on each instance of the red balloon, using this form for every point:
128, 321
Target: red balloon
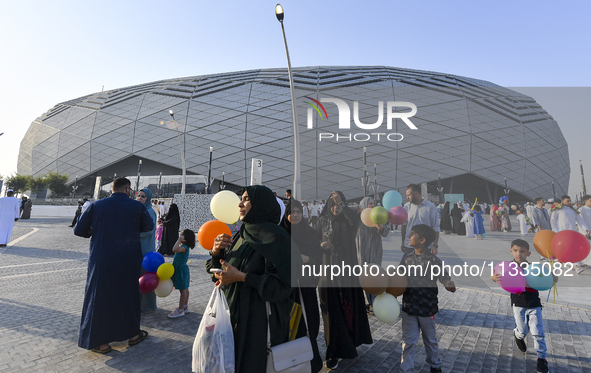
570, 246
397, 215
148, 282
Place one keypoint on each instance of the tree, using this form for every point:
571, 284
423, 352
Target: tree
36, 184
56, 183
18, 183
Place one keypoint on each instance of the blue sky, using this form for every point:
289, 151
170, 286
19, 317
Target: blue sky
57, 51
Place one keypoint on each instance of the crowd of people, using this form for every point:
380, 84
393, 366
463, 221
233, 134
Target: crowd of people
254, 267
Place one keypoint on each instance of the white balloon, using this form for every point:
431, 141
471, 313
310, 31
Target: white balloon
164, 288
224, 206
386, 308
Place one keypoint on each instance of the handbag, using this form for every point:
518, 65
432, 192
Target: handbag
293, 356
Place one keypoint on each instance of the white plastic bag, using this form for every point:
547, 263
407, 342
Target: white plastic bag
213, 349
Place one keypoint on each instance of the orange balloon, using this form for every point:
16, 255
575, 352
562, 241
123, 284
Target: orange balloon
543, 243
374, 285
209, 231
396, 285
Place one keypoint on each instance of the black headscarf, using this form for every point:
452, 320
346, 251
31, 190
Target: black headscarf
307, 239
173, 211
327, 210
260, 230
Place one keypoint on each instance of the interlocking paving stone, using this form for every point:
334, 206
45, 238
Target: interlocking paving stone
42, 281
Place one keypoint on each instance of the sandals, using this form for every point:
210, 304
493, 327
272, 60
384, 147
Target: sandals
143, 335
99, 351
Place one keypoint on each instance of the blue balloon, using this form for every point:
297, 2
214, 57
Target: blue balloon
152, 261
391, 199
539, 277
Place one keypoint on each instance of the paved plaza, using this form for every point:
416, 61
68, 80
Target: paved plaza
43, 273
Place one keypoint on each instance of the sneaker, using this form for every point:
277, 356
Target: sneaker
542, 366
176, 313
520, 343
186, 309
332, 363
435, 370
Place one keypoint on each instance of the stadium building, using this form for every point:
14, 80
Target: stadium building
471, 134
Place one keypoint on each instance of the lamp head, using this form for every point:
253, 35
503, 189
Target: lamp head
279, 12
171, 113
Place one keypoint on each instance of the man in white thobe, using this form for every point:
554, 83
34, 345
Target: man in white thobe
468, 219
566, 218
9, 213
586, 215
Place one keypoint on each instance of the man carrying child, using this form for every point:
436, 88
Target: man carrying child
419, 302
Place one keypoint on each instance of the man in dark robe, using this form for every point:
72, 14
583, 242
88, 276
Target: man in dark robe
111, 310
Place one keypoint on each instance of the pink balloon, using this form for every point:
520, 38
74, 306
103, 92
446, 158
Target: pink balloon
570, 246
148, 282
397, 215
512, 278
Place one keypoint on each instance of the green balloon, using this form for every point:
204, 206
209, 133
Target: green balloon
379, 215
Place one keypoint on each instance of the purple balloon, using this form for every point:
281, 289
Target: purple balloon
397, 215
512, 278
148, 282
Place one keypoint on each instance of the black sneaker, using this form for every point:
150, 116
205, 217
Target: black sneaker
520, 343
332, 363
542, 366
436, 370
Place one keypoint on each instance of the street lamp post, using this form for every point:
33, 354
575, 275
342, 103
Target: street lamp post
182, 153
553, 190
296, 192
139, 171
209, 170
440, 190
506, 190
222, 185
583, 178
160, 185
364, 181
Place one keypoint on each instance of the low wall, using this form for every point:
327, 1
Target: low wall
54, 211
194, 210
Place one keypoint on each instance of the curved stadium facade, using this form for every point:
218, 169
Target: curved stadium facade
471, 133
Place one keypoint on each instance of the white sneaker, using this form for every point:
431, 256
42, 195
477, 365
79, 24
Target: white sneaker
176, 313
186, 309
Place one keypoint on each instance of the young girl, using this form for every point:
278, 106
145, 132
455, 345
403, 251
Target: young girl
478, 223
159, 234
181, 277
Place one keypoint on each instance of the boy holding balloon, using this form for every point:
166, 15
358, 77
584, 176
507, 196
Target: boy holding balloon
527, 308
419, 302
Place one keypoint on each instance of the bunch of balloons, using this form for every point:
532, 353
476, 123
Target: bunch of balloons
387, 288
157, 276
503, 199
566, 246
224, 207
392, 211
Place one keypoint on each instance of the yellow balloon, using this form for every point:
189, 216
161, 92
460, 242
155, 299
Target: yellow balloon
366, 218
164, 288
165, 271
224, 206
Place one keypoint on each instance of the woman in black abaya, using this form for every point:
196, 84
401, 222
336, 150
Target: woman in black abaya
341, 299
446, 219
308, 242
170, 230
